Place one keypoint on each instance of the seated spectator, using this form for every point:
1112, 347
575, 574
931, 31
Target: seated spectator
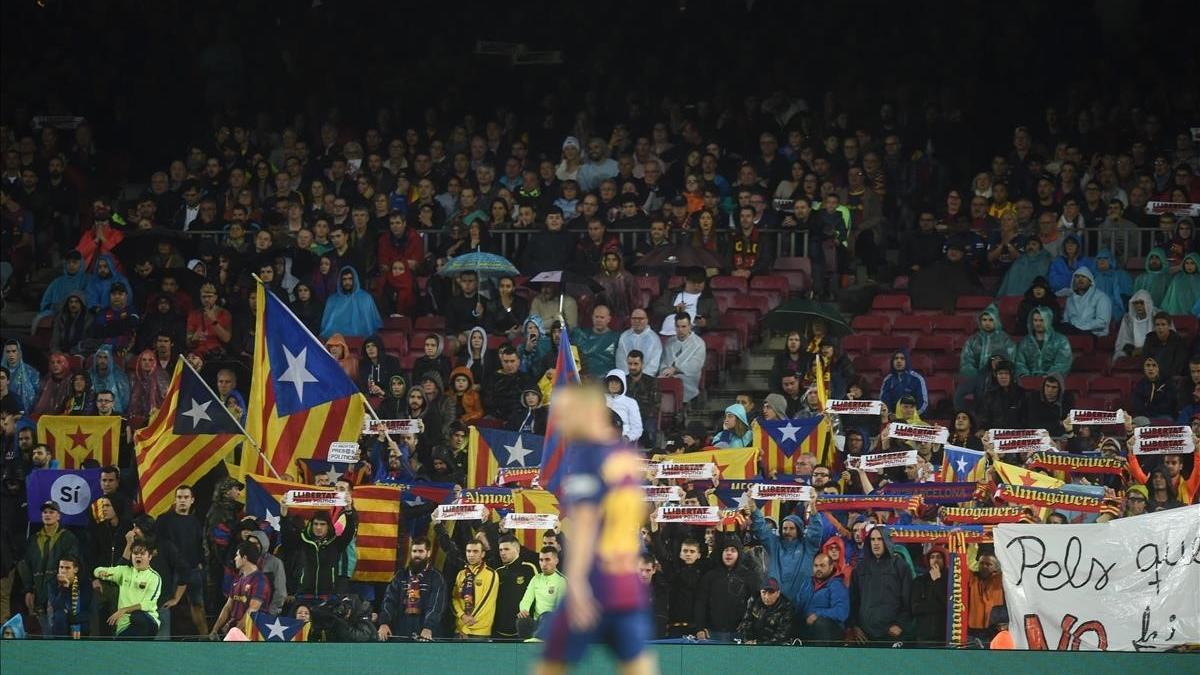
475, 355
1184, 290
72, 325
735, 429
793, 359
989, 342
1113, 281
751, 253
836, 368
209, 328
531, 417
117, 323
683, 357
598, 344
1135, 325
351, 311
1038, 295
1043, 351
100, 282
939, 285
376, 367
397, 291
549, 249
1066, 264
1157, 276
1033, 264
1166, 346
1154, 395
901, 381
108, 375
74, 279
1047, 407
641, 338
507, 311
338, 348
1000, 407
625, 407
768, 618
694, 298
468, 406
149, 385
924, 247
432, 359
56, 386
1089, 310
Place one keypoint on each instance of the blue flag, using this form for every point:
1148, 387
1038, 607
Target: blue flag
305, 375
73, 490
199, 412
261, 505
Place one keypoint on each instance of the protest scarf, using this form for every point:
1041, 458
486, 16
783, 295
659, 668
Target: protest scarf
933, 492
1048, 498
523, 476
1062, 461
956, 600
869, 502
955, 515
930, 534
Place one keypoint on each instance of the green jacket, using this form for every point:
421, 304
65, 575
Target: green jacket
982, 346
40, 564
543, 594
1051, 356
138, 588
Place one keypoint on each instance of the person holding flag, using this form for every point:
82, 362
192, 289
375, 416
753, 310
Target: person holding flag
602, 500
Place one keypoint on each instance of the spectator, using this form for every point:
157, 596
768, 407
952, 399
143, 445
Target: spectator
101, 281
1065, 265
415, 601
929, 598
1000, 407
750, 252
272, 568
507, 311
1034, 264
548, 250
1038, 295
694, 298
924, 247
23, 379
683, 573
396, 294
684, 357
554, 305
515, 575
351, 311
1089, 310
74, 279
900, 381
184, 530
985, 590
639, 337
376, 367
1047, 407
1043, 351
502, 391
789, 554
824, 615
465, 309
735, 429
39, 565
1137, 323
475, 356
432, 360
1157, 277
1184, 290
248, 592
880, 593
139, 589
56, 388
768, 618
724, 593
116, 323
106, 374
989, 342
1154, 395
939, 285
69, 601
400, 243
625, 407
339, 349
72, 325
209, 327
597, 346
619, 289
474, 596
315, 551
544, 593
1166, 346
1114, 282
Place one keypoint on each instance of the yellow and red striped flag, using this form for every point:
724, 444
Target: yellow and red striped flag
489, 450
533, 501
300, 398
190, 433
780, 442
378, 508
75, 438
733, 463
820, 442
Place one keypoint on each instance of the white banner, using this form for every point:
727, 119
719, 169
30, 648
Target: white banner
343, 451
531, 521
1164, 445
786, 492
686, 471
314, 498
1126, 585
881, 460
1096, 417
852, 407
461, 512
663, 493
994, 435
372, 427
692, 515
909, 432
1006, 446
1176, 208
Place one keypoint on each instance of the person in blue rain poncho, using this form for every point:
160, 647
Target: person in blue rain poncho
351, 311
107, 375
1113, 281
74, 279
1157, 276
790, 553
1034, 263
23, 380
1088, 309
1065, 265
100, 282
902, 380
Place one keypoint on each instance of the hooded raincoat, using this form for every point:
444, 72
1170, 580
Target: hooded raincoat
1114, 281
1184, 290
98, 286
983, 345
1023, 271
1155, 281
1063, 268
1090, 311
1049, 356
1132, 332
790, 560
728, 438
23, 379
110, 378
627, 408
880, 592
350, 313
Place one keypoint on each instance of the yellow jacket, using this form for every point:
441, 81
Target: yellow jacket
486, 587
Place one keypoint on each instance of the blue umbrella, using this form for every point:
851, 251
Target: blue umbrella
486, 265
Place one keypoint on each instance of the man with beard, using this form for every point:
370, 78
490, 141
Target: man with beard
415, 600
723, 594
824, 615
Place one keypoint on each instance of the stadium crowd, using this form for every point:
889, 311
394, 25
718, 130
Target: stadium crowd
1090, 301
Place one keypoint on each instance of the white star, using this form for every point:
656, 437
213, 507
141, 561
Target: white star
198, 412
272, 520
297, 370
415, 501
276, 629
517, 452
333, 475
788, 431
961, 464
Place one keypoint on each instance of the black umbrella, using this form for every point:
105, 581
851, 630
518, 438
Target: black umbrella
794, 314
678, 255
142, 245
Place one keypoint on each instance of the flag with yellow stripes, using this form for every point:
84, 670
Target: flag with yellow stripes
732, 463
820, 442
378, 508
190, 433
533, 501
77, 438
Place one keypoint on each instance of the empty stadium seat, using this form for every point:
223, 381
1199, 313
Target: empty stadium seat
647, 283
1127, 364
888, 344
891, 305
954, 323
1077, 384
972, 303
907, 324
1008, 306
936, 343
394, 341
671, 408
755, 303
1082, 343
797, 270
945, 364
402, 324
728, 282
430, 323
856, 344
940, 388
1185, 324
1092, 362
870, 324
1099, 387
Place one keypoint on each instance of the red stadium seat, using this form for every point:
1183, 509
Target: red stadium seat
431, 323
936, 343
889, 344
940, 387
355, 345
1092, 362
972, 303
1100, 387
1185, 324
671, 389
1008, 311
922, 363
401, 324
649, 284
1082, 343
906, 324
728, 282
1106, 344
1077, 384
856, 344
798, 272
715, 344
407, 361
946, 364
1135, 264
733, 341
416, 342
875, 364
955, 324
773, 296
394, 341
724, 298
755, 303
871, 324
891, 305
1127, 364
770, 282
746, 321
1031, 382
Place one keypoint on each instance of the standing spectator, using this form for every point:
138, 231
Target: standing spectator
249, 591
514, 574
165, 560
184, 530
768, 618
684, 357
1167, 346
107, 537
683, 575
474, 598
929, 599
69, 601
790, 552
415, 601
315, 551
880, 593
625, 407
1154, 395
1002, 404
220, 526
724, 593
543, 594
39, 565
902, 381
750, 253
23, 379
985, 590
642, 387
137, 599
823, 617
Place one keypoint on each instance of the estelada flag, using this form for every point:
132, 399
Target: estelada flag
962, 465
533, 501
732, 463
378, 508
307, 471
781, 441
300, 398
556, 446
264, 495
489, 450
1015, 475
190, 433
263, 627
75, 438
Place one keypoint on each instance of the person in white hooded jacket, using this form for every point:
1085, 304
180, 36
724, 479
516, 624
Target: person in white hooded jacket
1136, 323
1089, 310
625, 407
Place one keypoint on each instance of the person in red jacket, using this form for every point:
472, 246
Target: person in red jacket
397, 292
400, 243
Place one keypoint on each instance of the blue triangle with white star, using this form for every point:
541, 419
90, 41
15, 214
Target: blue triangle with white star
304, 375
198, 411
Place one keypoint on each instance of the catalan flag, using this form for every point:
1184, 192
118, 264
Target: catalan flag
556, 446
733, 463
307, 471
300, 398
263, 627
489, 450
728, 495
820, 444
1014, 475
780, 441
419, 500
533, 501
190, 433
264, 494
963, 465
75, 438
378, 508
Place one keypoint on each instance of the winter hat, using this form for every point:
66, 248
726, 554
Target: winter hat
771, 584
778, 403
570, 141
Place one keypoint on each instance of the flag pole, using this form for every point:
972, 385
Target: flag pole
236, 421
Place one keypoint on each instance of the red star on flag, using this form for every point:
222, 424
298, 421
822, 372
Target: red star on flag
79, 439
1027, 480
